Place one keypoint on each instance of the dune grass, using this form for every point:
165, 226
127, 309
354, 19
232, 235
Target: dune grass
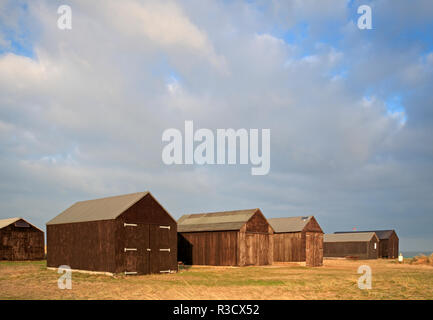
337, 279
422, 260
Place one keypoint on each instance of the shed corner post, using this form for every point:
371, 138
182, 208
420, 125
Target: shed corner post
241, 247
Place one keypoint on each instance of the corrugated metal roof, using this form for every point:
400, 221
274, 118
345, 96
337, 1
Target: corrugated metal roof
289, 224
6, 222
214, 221
99, 209
348, 237
381, 234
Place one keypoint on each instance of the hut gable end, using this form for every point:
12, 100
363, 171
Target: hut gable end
257, 223
147, 210
312, 226
20, 240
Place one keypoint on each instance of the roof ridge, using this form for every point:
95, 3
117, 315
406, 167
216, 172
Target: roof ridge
226, 211
109, 197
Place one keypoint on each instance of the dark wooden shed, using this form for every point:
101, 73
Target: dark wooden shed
20, 240
230, 238
131, 234
298, 239
388, 242
360, 245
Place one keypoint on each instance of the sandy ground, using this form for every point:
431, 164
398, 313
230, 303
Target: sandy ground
337, 279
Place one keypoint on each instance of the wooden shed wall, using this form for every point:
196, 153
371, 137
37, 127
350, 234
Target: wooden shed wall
21, 243
388, 248
83, 245
314, 249
289, 247
361, 250
255, 249
151, 233
217, 248
393, 246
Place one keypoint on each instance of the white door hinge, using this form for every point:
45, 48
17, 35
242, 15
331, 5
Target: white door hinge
130, 249
165, 227
166, 250
130, 272
129, 224
148, 249
165, 271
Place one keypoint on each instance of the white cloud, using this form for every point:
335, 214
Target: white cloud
165, 24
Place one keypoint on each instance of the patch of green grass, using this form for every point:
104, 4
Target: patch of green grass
42, 263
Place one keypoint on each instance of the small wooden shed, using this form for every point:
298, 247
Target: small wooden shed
230, 238
360, 245
131, 234
388, 242
20, 240
298, 239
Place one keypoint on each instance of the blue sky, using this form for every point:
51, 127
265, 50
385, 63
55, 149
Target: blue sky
82, 111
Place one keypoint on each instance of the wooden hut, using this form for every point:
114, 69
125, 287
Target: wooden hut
388, 242
131, 234
359, 245
20, 240
230, 238
298, 239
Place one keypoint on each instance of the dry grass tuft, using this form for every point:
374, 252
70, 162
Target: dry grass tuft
422, 260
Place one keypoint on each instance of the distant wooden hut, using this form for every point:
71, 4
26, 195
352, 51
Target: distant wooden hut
20, 240
360, 245
230, 238
298, 239
131, 234
388, 242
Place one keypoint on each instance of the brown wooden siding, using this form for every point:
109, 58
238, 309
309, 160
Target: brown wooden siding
83, 245
360, 250
314, 249
150, 233
289, 247
257, 223
217, 248
150, 242
21, 243
388, 248
313, 226
257, 249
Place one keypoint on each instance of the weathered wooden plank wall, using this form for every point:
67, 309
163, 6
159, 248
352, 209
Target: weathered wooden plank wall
314, 249
389, 247
218, 248
84, 245
289, 247
156, 230
361, 250
19, 243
